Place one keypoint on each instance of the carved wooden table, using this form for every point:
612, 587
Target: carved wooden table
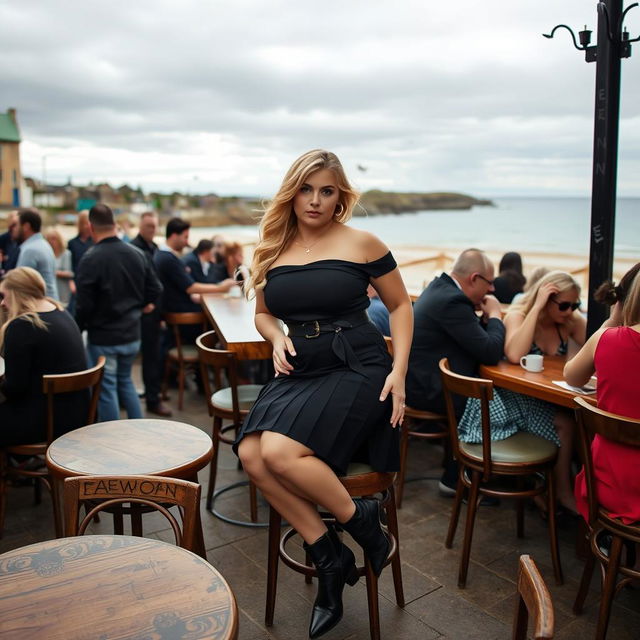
113, 587
151, 447
234, 322
538, 385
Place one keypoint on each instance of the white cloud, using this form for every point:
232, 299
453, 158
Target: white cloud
468, 96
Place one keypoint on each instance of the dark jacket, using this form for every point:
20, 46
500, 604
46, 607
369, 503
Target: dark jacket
149, 248
446, 326
217, 272
115, 280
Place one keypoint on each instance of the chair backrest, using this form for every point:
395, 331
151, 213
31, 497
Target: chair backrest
69, 382
534, 601
454, 383
175, 320
223, 363
592, 421
154, 492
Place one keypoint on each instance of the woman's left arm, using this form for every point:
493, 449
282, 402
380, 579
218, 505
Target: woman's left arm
392, 292
581, 367
18, 357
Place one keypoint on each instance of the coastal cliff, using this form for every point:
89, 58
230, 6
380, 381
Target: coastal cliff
247, 211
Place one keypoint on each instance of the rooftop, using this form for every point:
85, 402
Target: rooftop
8, 128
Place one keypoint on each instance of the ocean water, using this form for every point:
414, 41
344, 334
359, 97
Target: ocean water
549, 225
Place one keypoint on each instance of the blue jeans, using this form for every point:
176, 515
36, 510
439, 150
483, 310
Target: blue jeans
117, 386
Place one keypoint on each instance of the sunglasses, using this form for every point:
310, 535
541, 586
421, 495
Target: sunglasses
564, 306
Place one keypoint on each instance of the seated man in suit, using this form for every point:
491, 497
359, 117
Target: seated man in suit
446, 326
201, 266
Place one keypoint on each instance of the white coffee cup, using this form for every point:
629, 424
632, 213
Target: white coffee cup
532, 362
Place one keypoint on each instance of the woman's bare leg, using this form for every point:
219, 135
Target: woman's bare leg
301, 514
296, 465
565, 427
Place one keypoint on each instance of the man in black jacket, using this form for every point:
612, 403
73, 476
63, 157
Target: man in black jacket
150, 324
115, 284
446, 326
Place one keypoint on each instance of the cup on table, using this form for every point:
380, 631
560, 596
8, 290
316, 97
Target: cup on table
532, 362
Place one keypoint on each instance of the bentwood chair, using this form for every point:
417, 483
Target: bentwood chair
98, 493
183, 355
360, 481
534, 601
609, 537
36, 468
232, 403
412, 417
520, 456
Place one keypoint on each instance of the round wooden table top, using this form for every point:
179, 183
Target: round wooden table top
125, 447
113, 587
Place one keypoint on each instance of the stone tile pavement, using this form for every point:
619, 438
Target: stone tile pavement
435, 607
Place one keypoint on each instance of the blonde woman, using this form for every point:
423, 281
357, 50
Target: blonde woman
546, 321
336, 391
39, 337
64, 272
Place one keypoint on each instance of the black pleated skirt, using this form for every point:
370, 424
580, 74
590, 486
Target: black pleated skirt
330, 403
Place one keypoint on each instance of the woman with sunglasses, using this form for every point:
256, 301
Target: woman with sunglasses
545, 322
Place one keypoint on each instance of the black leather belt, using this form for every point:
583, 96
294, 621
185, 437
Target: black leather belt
313, 328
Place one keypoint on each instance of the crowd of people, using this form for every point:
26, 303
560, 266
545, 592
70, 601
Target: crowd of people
340, 396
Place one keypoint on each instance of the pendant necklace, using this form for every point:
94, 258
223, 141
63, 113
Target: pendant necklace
307, 248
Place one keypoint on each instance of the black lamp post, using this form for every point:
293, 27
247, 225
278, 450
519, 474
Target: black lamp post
613, 44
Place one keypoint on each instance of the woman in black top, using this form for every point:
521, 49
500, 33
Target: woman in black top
336, 393
38, 338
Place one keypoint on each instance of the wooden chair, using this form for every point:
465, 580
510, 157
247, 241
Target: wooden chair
360, 481
607, 535
51, 385
231, 403
411, 416
98, 493
181, 356
521, 455
534, 601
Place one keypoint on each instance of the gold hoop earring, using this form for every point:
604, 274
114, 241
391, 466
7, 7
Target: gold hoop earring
339, 213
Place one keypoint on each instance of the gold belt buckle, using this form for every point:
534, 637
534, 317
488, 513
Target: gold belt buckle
316, 328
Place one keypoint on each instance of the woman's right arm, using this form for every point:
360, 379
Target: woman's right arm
521, 329
580, 368
270, 329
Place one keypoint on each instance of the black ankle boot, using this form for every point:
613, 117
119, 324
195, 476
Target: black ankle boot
366, 529
334, 568
347, 559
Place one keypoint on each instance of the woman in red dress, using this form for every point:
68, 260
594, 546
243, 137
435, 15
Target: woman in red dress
613, 353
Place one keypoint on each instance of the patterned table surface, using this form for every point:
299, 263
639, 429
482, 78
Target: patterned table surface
107, 586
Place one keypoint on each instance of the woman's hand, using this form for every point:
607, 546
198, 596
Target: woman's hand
544, 293
281, 346
394, 384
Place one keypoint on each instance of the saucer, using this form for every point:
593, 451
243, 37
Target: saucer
538, 371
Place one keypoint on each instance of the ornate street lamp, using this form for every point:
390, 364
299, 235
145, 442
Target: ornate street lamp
613, 44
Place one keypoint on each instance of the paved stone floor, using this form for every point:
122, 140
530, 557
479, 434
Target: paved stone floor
435, 607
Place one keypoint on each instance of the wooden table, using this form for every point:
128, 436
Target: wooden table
538, 385
152, 447
233, 320
112, 587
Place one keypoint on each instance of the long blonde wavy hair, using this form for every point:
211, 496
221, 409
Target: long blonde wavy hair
27, 288
562, 280
278, 225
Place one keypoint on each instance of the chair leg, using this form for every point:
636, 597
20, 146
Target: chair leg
136, 520
472, 507
587, 573
520, 518
396, 565
608, 588
181, 377
404, 450
118, 521
213, 465
37, 491
55, 500
253, 502
273, 556
455, 512
372, 600
553, 529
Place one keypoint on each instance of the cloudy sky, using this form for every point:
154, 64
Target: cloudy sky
204, 95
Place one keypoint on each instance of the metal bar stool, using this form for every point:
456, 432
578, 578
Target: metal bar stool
360, 481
